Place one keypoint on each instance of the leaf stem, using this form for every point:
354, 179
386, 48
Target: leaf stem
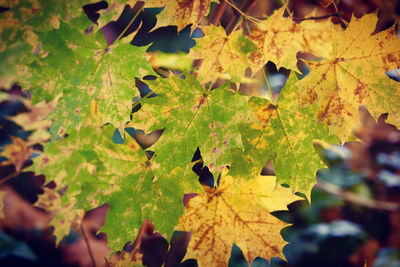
244, 10
146, 96
269, 88
238, 23
88, 246
335, 6
131, 21
247, 26
286, 4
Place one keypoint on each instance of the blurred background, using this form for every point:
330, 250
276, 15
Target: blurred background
22, 243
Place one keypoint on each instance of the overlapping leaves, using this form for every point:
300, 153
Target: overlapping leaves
75, 63
181, 12
354, 74
192, 117
92, 170
283, 135
55, 52
222, 54
279, 39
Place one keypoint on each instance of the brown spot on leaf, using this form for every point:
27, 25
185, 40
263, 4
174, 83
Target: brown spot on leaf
269, 108
293, 28
89, 30
133, 146
34, 10
61, 131
360, 91
200, 102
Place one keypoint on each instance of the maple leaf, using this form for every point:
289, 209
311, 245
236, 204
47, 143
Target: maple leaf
181, 12
171, 61
115, 8
18, 42
98, 73
21, 27
152, 249
34, 120
354, 75
74, 61
94, 170
233, 213
16, 153
64, 215
78, 253
222, 54
192, 117
113, 11
284, 135
279, 39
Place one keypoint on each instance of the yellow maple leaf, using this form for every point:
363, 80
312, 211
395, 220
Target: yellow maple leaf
236, 212
34, 120
63, 216
16, 153
354, 74
222, 54
181, 12
279, 39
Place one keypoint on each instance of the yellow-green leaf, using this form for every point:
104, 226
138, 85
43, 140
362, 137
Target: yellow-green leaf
222, 54
354, 75
93, 170
279, 39
192, 117
182, 12
234, 213
16, 153
284, 135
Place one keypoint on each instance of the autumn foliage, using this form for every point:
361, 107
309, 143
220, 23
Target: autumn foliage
116, 153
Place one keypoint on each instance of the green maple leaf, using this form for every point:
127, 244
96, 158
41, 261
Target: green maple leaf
283, 135
222, 54
19, 30
92, 71
192, 117
74, 61
97, 171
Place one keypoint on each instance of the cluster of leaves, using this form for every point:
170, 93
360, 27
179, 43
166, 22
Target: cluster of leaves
354, 212
29, 206
87, 85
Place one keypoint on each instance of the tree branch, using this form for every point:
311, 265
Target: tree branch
336, 191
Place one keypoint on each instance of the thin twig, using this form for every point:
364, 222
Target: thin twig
335, 6
218, 12
269, 88
286, 4
243, 10
247, 26
8, 177
356, 199
88, 246
337, 15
